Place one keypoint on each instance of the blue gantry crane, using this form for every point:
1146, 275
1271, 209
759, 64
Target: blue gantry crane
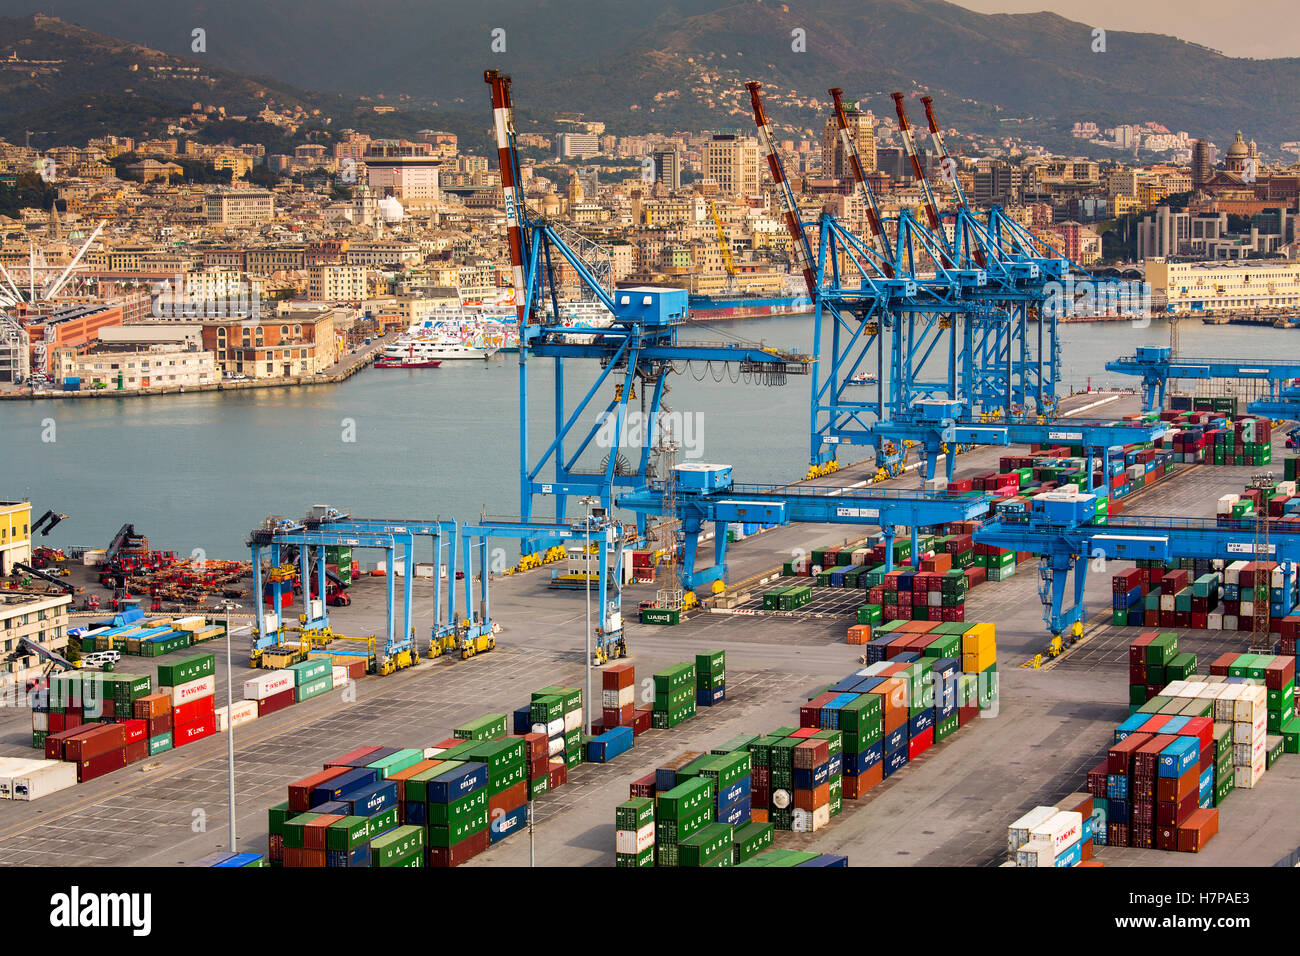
706, 493
1156, 364
1285, 407
598, 529
1063, 530
944, 331
590, 452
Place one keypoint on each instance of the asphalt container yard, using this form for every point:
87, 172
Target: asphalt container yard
950, 806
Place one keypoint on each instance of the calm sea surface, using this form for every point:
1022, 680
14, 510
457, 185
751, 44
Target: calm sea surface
198, 471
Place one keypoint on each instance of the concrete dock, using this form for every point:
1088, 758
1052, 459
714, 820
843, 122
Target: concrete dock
949, 807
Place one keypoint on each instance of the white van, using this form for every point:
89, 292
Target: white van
100, 658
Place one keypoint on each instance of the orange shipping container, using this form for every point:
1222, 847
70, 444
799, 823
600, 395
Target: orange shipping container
859, 634
810, 800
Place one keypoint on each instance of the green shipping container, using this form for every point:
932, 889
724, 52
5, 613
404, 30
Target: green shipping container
751, 839
313, 688
707, 846
645, 858
713, 663
397, 847
160, 743
459, 830
451, 814
306, 671
486, 727
347, 834
186, 669
634, 814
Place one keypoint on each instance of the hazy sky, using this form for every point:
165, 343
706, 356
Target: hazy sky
1263, 28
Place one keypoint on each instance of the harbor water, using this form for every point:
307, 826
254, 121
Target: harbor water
198, 471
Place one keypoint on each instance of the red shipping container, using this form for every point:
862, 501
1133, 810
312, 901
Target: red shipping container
1166, 838
157, 726
1120, 756
618, 676
101, 764
1137, 673
1202, 728
55, 723
507, 800
803, 733
100, 739
966, 714
193, 710
269, 705
197, 730
535, 746
597, 727
1176, 813
641, 722
618, 716
1097, 779
1279, 673
558, 774
466, 849
810, 713
135, 730
313, 833
137, 750
54, 742
1146, 757
644, 786
920, 743
538, 766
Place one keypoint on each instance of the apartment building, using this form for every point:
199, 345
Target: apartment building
337, 283
158, 366
1206, 286
732, 162
41, 619
15, 534
237, 208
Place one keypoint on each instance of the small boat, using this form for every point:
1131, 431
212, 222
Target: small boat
861, 378
392, 358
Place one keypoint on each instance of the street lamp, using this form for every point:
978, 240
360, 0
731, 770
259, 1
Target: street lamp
227, 607
587, 502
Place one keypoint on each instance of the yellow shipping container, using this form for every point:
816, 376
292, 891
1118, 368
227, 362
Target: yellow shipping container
976, 663
978, 638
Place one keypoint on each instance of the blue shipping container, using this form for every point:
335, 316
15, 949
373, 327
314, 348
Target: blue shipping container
334, 789
371, 799
859, 763
512, 821
458, 783
1179, 757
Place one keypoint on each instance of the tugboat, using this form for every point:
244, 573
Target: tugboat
861, 378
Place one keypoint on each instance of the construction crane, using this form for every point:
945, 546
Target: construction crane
723, 246
46, 523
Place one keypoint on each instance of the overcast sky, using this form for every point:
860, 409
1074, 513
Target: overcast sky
1263, 28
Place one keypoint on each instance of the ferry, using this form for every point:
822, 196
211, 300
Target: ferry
861, 378
445, 346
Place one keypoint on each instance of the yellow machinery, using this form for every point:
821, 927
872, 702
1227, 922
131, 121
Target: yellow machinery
817, 471
469, 646
723, 246
401, 660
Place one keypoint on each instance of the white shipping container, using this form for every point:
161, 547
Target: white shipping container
634, 841
1245, 778
1230, 622
14, 768
268, 684
194, 690
1018, 832
339, 675
1226, 503
1058, 831
40, 720
1036, 854
194, 623
551, 728
555, 746
244, 711
1176, 689
1250, 703
50, 777
806, 822
94, 557
572, 720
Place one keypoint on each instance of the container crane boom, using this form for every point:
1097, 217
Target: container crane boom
879, 242
802, 248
